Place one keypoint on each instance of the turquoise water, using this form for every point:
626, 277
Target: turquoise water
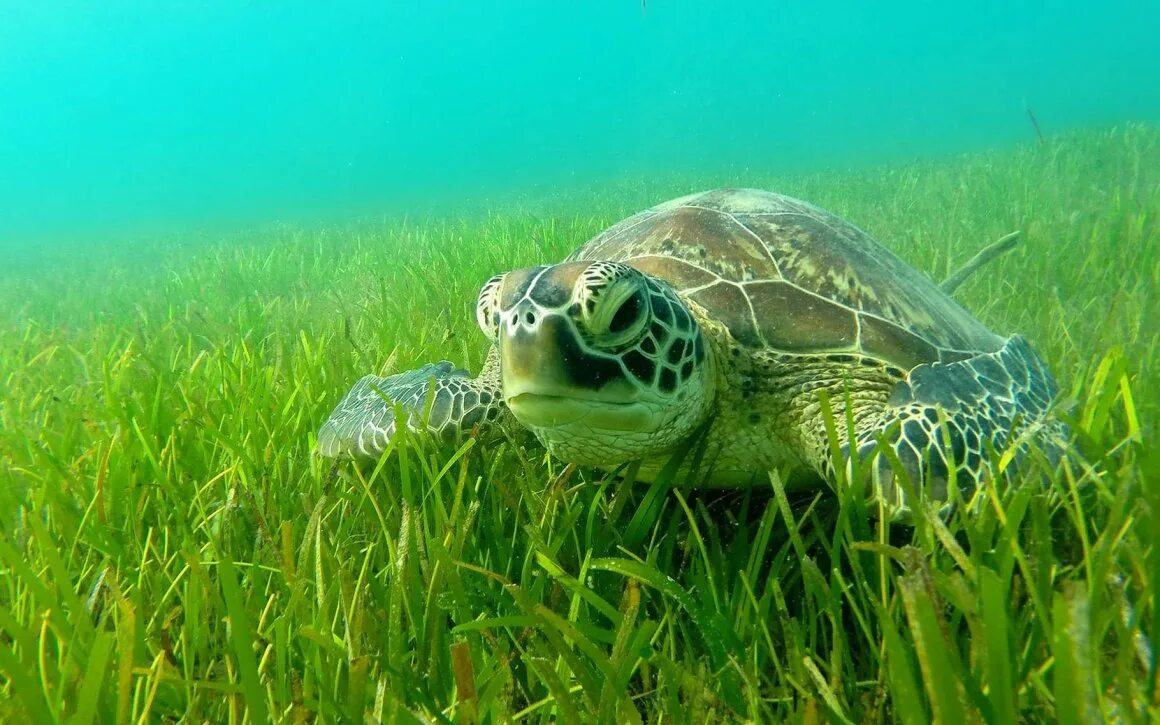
119, 118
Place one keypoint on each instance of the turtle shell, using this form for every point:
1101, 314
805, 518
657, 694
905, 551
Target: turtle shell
787, 276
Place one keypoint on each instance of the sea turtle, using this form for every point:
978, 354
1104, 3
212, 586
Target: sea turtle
718, 327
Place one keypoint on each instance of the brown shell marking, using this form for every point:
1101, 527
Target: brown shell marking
785, 275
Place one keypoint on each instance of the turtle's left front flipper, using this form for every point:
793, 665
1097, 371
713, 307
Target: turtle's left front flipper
943, 417
438, 398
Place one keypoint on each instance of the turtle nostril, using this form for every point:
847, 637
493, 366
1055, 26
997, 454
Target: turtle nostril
530, 317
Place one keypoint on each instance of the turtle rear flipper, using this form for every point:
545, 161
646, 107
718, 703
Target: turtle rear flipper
439, 399
944, 418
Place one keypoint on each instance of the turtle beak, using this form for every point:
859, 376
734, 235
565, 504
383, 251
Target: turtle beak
541, 355
532, 364
546, 386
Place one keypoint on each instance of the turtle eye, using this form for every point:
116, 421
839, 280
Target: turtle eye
627, 314
487, 306
617, 314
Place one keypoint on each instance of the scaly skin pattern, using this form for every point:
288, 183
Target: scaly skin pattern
438, 398
767, 412
944, 421
938, 420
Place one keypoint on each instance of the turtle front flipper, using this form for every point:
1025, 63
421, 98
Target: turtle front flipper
943, 419
439, 399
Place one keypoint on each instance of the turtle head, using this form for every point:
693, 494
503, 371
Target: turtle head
602, 362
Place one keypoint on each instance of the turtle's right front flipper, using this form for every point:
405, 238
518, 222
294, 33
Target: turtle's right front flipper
943, 421
440, 399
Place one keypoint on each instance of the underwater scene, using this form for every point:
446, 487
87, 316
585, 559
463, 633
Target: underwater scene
622, 361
